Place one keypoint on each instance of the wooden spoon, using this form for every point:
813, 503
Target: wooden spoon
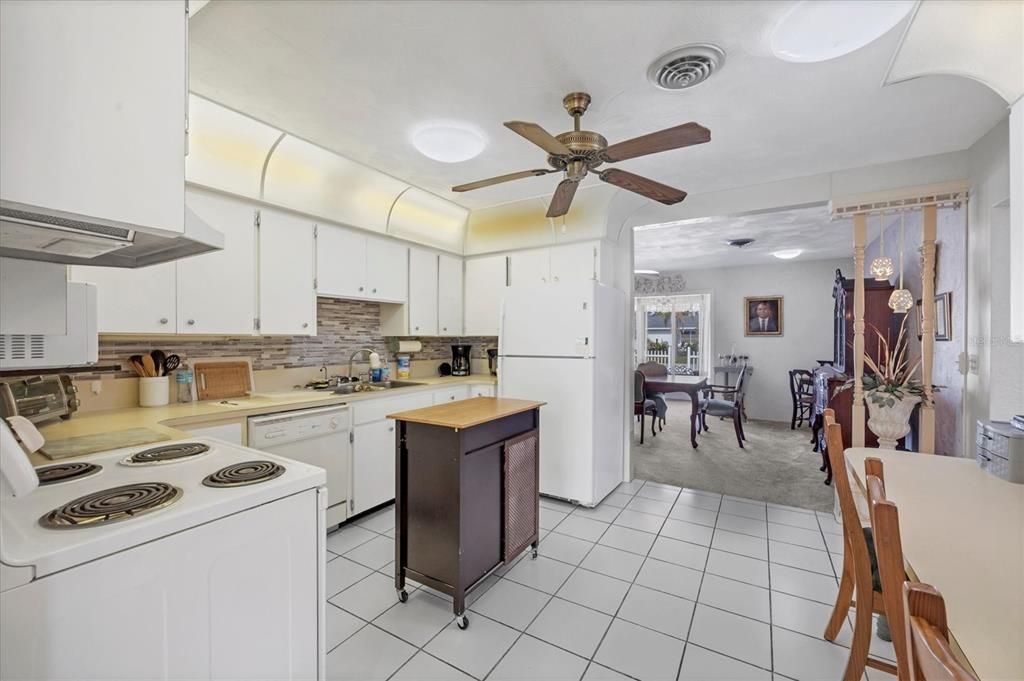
136, 362
149, 365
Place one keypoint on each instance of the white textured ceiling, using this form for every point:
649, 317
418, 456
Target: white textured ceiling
355, 77
700, 243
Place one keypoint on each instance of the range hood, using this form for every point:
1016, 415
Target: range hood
34, 233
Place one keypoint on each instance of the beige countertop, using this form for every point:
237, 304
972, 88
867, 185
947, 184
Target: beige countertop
467, 413
173, 419
962, 531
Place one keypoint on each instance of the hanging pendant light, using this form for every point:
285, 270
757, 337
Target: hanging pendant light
901, 300
881, 267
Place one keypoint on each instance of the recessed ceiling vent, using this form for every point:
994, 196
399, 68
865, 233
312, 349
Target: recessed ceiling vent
685, 67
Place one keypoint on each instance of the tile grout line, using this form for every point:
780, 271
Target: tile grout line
707, 559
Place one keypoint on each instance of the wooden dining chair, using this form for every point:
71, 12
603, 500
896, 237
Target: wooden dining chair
856, 579
642, 405
885, 528
927, 636
801, 390
730, 405
656, 370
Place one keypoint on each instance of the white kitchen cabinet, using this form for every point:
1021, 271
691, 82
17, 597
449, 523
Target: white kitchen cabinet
575, 262
449, 296
481, 391
133, 301
217, 291
286, 271
387, 274
485, 281
93, 112
422, 307
373, 465
529, 267
451, 394
340, 262
350, 264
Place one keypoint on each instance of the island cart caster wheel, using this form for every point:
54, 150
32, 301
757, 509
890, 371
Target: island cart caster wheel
462, 622
533, 554
403, 596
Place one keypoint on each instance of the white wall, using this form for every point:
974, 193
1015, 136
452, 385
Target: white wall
806, 288
996, 389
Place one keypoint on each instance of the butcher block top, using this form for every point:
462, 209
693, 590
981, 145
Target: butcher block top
467, 413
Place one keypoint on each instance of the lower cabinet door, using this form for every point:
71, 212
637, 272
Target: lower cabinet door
373, 465
480, 513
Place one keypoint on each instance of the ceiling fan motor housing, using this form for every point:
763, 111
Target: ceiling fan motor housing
586, 146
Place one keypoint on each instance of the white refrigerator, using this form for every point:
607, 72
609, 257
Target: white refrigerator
564, 344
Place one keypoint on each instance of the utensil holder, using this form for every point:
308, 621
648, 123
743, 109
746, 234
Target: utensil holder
154, 391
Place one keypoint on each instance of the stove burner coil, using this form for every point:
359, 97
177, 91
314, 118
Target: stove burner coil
166, 454
112, 505
246, 473
65, 472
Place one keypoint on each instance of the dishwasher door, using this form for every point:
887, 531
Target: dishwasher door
319, 437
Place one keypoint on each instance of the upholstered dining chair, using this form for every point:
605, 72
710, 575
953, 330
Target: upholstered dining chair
642, 405
927, 636
656, 370
859, 575
729, 405
801, 389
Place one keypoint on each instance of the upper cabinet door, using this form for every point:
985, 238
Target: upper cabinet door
422, 306
132, 300
484, 288
387, 272
449, 296
217, 291
529, 268
575, 262
92, 116
287, 298
340, 262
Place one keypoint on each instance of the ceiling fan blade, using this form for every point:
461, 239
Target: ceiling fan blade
501, 178
539, 136
684, 135
562, 199
661, 193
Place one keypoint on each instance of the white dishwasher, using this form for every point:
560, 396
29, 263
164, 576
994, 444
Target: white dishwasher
319, 437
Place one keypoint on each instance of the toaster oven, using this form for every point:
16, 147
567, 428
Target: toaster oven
38, 398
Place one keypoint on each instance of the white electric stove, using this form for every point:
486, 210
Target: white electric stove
192, 559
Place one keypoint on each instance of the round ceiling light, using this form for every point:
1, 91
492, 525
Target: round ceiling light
813, 31
788, 254
448, 141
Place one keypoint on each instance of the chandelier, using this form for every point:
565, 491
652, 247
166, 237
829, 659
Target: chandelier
881, 267
901, 300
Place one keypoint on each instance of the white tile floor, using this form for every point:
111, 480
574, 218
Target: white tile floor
656, 584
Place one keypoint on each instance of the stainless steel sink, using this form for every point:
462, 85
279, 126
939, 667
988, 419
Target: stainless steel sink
350, 388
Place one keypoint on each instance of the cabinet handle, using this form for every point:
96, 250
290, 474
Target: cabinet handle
417, 328
555, 278
360, 288
191, 322
305, 325
544, 279
374, 290
391, 429
445, 328
163, 320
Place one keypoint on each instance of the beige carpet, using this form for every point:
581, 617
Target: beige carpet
776, 465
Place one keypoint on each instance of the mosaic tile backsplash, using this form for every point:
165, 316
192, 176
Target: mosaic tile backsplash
343, 326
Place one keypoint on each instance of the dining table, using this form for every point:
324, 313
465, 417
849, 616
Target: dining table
691, 385
962, 531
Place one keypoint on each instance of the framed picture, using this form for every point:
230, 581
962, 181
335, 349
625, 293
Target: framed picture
762, 316
943, 317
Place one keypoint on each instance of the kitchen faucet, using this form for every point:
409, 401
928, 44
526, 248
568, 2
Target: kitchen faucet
367, 351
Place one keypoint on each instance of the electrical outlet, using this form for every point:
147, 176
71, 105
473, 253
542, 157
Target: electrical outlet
96, 387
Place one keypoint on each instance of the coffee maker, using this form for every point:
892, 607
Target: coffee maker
460, 359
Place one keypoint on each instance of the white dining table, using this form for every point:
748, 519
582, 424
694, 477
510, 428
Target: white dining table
962, 531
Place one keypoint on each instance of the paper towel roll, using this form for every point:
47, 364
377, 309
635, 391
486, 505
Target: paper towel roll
409, 346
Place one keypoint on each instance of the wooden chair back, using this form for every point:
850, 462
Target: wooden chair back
801, 382
653, 369
926, 636
639, 388
741, 386
885, 526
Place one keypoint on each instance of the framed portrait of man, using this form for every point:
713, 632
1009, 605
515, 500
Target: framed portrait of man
762, 316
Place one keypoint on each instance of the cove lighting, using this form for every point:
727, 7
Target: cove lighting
654, 272
448, 141
788, 254
814, 31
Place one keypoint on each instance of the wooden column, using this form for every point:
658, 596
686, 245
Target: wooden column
860, 231
926, 424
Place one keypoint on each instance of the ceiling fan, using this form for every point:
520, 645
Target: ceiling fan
578, 152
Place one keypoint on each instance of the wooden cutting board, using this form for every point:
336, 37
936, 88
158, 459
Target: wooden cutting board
222, 380
100, 442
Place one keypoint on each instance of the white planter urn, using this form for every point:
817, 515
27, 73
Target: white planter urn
889, 423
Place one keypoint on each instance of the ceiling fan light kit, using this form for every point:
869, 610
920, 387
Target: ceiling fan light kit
577, 153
